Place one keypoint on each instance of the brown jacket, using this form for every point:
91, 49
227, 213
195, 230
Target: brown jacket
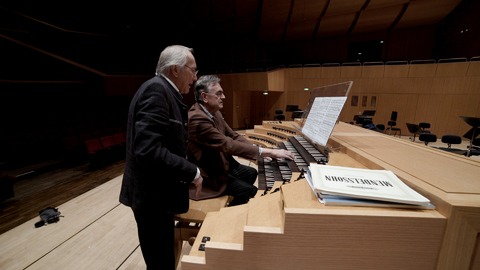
211, 142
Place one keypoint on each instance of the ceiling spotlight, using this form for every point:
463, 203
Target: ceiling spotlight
306, 89
265, 93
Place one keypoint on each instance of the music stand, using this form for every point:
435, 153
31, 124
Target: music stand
414, 129
321, 114
473, 132
369, 112
297, 114
361, 118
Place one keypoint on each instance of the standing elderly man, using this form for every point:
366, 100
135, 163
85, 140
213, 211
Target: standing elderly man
212, 143
157, 175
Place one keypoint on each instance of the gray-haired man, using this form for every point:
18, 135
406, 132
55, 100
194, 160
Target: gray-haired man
157, 175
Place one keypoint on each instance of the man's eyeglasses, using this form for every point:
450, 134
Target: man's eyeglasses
219, 93
194, 70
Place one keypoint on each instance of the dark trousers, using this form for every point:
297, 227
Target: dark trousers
240, 183
156, 234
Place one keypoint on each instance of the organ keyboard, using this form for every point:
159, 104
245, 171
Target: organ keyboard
305, 153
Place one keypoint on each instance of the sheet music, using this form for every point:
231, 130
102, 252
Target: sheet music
322, 118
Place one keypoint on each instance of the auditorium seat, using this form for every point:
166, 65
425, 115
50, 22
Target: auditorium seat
97, 134
427, 138
109, 131
391, 127
81, 129
423, 126
97, 154
381, 127
73, 148
116, 150
120, 140
279, 115
451, 139
85, 136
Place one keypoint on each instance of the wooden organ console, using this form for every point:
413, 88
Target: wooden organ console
290, 229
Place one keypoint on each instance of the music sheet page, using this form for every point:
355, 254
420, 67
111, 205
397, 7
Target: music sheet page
322, 118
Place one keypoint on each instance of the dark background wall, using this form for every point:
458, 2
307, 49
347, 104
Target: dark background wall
54, 76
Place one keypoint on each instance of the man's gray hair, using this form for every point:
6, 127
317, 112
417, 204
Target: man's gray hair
175, 55
203, 85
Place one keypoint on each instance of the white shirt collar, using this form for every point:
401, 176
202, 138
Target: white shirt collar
168, 80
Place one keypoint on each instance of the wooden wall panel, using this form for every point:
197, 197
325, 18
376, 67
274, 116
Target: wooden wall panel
468, 85
443, 114
396, 71
294, 85
395, 85
473, 69
331, 72
406, 111
291, 73
351, 72
418, 86
373, 71
471, 106
456, 126
312, 72
422, 109
444, 85
426, 70
386, 103
276, 80
452, 69
414, 91
433, 108
241, 108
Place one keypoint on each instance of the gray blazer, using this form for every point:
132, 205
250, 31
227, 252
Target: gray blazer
157, 174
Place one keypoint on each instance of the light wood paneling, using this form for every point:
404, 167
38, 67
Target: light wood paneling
373, 71
418, 86
351, 72
276, 80
396, 71
457, 126
242, 108
411, 90
473, 69
425, 70
468, 85
331, 72
312, 72
291, 73
441, 124
452, 69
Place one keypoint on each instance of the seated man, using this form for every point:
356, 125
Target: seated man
212, 143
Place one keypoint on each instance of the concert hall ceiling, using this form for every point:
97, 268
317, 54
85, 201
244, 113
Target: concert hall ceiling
222, 24
271, 20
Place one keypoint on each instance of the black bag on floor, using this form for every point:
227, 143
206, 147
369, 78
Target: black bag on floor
48, 215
